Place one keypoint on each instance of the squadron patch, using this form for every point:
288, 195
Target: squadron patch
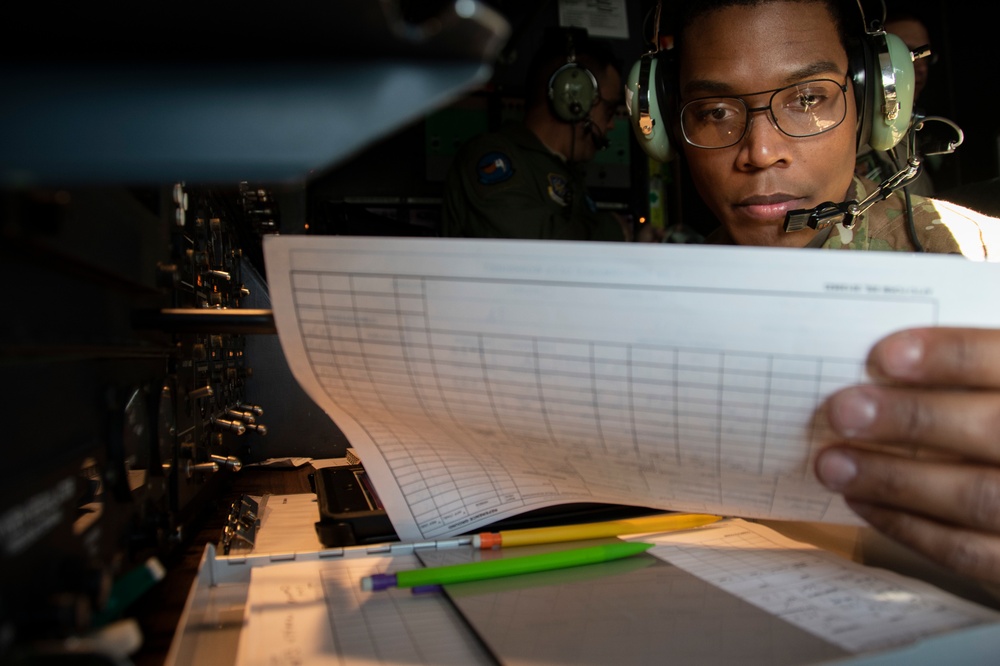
493, 168
558, 189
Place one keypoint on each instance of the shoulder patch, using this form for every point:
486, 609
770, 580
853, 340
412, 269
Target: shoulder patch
494, 167
558, 189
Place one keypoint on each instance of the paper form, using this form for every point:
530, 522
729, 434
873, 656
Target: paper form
314, 612
288, 524
479, 379
858, 608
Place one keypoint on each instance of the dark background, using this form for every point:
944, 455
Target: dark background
394, 183
958, 84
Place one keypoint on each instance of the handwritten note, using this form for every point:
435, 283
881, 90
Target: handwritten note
855, 607
315, 613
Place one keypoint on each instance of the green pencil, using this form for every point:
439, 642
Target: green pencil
510, 566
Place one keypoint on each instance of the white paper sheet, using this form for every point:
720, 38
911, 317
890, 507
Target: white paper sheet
315, 612
288, 525
479, 379
858, 608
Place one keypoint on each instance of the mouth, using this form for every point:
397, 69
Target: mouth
768, 207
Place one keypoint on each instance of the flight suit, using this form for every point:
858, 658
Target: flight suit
507, 184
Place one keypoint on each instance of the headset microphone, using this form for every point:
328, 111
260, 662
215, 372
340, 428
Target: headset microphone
600, 139
827, 213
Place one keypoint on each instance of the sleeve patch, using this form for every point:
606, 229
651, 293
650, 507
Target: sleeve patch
559, 190
494, 167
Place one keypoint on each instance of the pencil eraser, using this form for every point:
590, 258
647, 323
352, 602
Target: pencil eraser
377, 582
487, 540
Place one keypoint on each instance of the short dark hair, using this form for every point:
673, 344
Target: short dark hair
557, 44
683, 13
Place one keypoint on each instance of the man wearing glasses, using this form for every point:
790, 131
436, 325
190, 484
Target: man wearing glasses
770, 130
525, 180
768, 125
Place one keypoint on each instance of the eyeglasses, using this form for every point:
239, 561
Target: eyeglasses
802, 109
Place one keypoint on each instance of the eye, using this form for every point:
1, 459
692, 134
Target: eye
715, 111
805, 99
808, 100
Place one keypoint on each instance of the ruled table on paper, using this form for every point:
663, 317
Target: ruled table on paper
482, 379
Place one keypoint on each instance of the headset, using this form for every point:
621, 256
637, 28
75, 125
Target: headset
880, 67
573, 89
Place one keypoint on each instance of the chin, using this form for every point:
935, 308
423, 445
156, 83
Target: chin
772, 235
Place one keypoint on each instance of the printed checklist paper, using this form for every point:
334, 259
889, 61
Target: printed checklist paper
855, 607
479, 379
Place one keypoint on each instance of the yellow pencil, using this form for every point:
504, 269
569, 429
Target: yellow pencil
661, 522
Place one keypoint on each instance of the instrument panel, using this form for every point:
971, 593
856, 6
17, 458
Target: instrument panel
123, 357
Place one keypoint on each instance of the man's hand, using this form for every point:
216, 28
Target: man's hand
920, 459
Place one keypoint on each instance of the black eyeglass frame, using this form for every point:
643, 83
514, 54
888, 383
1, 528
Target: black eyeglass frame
751, 110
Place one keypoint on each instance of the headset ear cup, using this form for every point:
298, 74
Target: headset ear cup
893, 86
573, 92
859, 62
647, 112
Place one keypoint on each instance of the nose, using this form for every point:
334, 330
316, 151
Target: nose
763, 143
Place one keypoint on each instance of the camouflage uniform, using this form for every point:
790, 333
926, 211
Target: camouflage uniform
941, 227
507, 184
